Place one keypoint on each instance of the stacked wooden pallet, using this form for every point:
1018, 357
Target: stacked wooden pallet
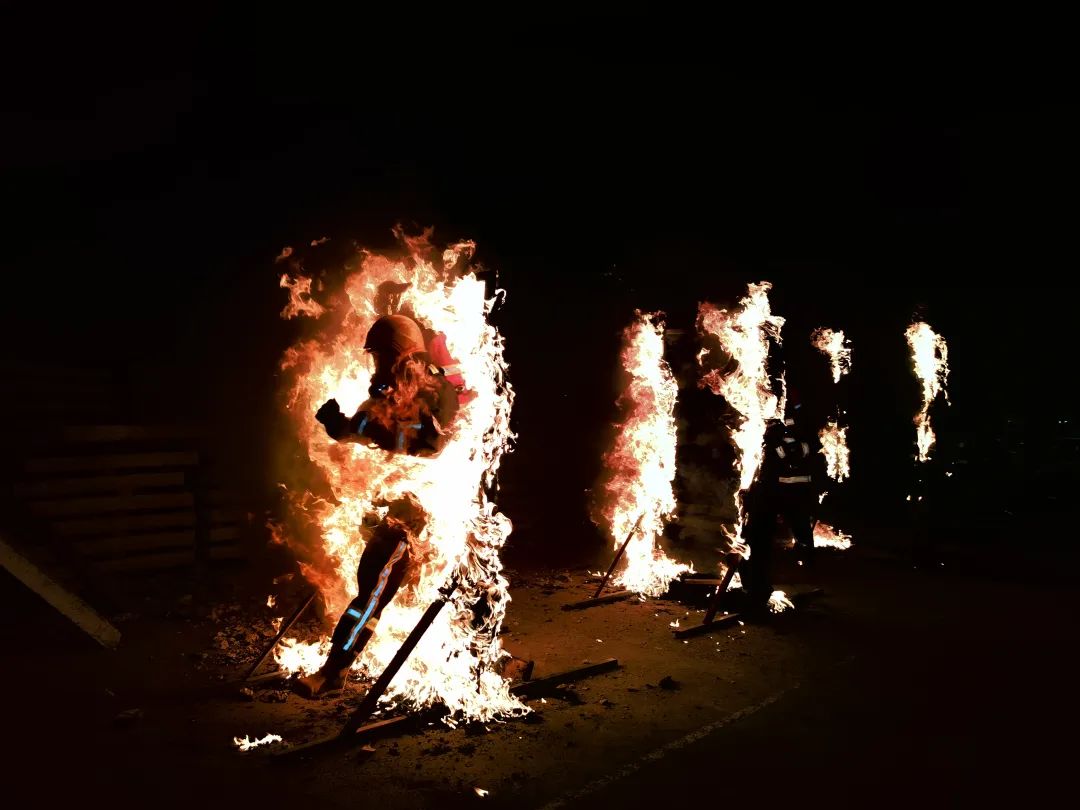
128, 498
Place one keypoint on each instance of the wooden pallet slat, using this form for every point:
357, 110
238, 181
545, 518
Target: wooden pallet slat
119, 461
90, 484
131, 497
226, 516
129, 433
220, 534
135, 543
125, 523
119, 503
226, 552
146, 562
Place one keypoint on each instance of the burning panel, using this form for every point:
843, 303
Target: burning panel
835, 448
836, 347
833, 436
743, 334
930, 356
338, 491
640, 467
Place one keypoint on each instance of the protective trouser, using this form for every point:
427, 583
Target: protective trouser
383, 567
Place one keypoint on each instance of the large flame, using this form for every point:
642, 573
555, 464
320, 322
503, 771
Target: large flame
640, 467
930, 356
834, 446
836, 347
456, 662
744, 334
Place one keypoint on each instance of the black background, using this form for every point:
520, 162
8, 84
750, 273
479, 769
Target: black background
154, 163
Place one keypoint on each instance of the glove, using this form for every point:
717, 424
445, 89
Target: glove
331, 417
329, 412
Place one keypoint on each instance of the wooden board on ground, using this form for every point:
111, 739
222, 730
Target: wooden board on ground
71, 606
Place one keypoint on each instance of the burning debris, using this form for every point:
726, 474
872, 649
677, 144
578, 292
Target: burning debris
825, 536
640, 467
779, 602
930, 356
247, 744
344, 491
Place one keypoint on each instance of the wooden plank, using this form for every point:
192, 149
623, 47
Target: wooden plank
801, 597
165, 559
85, 485
146, 562
121, 523
226, 516
717, 623
607, 598
221, 497
119, 461
543, 685
110, 545
713, 581
121, 433
332, 742
74, 608
107, 546
227, 552
118, 503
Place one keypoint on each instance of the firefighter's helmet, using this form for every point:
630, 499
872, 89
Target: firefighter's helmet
395, 336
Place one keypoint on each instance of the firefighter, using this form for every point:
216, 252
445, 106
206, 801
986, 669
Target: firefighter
410, 407
791, 478
411, 400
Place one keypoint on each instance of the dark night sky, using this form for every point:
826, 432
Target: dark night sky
150, 180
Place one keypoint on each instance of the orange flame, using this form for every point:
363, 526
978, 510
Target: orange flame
930, 356
456, 661
825, 536
835, 449
300, 300
246, 744
744, 335
833, 437
641, 464
779, 602
838, 349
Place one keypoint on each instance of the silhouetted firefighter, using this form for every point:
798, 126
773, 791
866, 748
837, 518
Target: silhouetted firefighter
411, 403
791, 478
